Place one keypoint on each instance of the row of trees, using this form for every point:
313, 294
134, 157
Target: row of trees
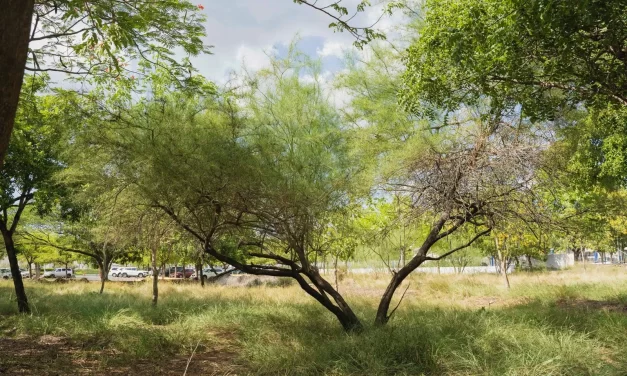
459, 139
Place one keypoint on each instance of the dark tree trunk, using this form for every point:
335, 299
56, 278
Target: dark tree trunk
155, 277
103, 278
342, 311
104, 273
20, 293
15, 22
201, 276
529, 262
398, 277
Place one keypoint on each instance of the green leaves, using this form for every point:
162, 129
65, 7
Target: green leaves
100, 40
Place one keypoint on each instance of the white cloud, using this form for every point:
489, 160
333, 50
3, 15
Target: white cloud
254, 58
332, 48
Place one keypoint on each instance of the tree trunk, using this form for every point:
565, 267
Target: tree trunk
382, 316
155, 277
15, 23
37, 270
502, 262
103, 275
202, 276
343, 312
20, 293
30, 270
529, 262
198, 272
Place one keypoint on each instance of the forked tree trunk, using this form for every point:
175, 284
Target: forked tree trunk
15, 22
502, 262
398, 277
342, 311
20, 293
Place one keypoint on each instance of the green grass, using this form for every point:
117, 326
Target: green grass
549, 323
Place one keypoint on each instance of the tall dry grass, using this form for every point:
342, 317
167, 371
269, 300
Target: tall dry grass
550, 323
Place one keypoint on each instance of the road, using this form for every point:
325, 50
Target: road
96, 278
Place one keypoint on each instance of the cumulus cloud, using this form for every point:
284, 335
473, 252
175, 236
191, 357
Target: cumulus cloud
332, 48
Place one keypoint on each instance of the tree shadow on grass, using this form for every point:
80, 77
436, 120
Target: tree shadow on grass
538, 337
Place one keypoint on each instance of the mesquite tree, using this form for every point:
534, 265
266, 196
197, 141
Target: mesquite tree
467, 175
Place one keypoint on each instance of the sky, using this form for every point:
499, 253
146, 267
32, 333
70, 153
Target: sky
245, 30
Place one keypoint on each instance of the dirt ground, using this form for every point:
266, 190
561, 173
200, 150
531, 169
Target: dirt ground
51, 356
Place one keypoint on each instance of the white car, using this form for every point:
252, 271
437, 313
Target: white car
132, 272
5, 273
25, 273
113, 272
59, 273
209, 272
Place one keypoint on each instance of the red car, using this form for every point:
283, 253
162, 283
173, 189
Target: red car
180, 273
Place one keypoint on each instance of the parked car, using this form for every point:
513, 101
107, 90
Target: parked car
208, 272
113, 272
25, 273
59, 273
5, 273
132, 272
180, 272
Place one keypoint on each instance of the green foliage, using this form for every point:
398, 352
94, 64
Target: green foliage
100, 40
540, 54
540, 58
35, 153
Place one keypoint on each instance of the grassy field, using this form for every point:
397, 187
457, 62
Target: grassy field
550, 323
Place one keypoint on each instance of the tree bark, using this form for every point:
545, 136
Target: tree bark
15, 22
398, 277
20, 293
342, 311
104, 271
155, 277
502, 262
201, 275
37, 270
198, 272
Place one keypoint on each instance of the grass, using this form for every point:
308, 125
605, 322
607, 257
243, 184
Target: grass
550, 323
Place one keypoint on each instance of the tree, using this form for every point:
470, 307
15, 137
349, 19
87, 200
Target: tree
33, 159
519, 52
93, 40
251, 191
543, 58
458, 171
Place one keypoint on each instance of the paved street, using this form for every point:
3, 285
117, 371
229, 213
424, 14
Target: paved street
96, 278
